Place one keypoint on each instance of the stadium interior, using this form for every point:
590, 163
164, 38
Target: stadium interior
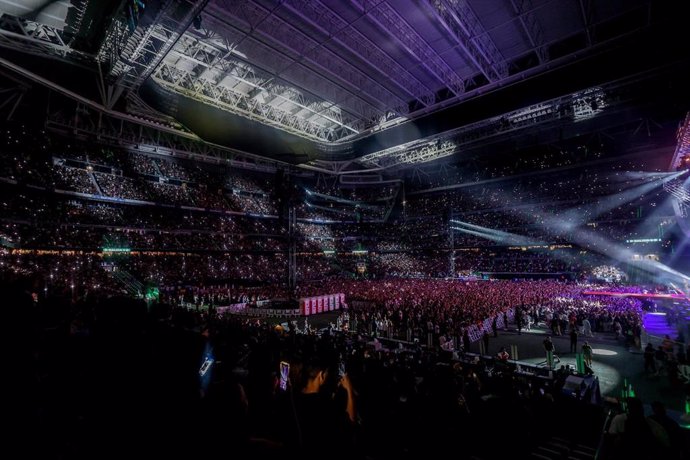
348, 228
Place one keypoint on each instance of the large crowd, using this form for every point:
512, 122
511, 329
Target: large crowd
446, 305
225, 224
394, 248
98, 364
84, 230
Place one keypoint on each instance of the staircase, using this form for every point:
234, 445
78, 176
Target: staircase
656, 325
159, 173
133, 286
562, 449
95, 183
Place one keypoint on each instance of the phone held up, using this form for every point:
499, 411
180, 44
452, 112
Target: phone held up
205, 366
284, 375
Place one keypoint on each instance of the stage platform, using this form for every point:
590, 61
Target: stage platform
656, 325
639, 295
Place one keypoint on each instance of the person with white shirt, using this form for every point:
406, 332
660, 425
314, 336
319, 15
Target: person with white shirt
587, 328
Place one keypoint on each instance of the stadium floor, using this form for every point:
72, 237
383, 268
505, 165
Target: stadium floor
613, 363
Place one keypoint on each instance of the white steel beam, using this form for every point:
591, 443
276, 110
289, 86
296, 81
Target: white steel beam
133, 57
458, 19
211, 65
341, 31
39, 39
270, 58
300, 48
388, 19
532, 28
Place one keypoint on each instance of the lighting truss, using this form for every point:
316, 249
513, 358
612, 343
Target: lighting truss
588, 103
465, 135
676, 189
404, 155
531, 113
433, 151
39, 39
683, 143
365, 178
561, 108
133, 57
388, 19
459, 20
210, 70
681, 203
348, 202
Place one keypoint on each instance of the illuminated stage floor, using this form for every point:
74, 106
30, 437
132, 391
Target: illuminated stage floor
612, 363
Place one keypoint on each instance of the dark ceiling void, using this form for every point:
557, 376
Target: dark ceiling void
92, 23
221, 127
78, 79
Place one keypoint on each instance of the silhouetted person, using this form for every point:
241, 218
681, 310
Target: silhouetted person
649, 364
587, 354
675, 434
549, 347
636, 436
503, 355
322, 423
573, 340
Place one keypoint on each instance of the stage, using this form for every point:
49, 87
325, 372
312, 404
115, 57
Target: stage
638, 295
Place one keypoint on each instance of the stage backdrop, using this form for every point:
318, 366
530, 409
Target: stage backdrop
321, 304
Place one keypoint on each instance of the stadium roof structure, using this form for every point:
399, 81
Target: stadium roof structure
344, 85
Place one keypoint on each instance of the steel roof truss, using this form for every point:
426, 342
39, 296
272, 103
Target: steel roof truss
388, 19
462, 24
